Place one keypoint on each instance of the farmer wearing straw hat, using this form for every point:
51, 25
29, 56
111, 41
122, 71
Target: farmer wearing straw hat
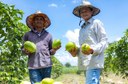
39, 63
93, 33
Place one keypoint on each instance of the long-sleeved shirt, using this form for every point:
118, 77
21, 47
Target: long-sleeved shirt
42, 57
92, 33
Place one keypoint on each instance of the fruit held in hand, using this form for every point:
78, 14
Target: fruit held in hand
70, 45
30, 46
56, 43
37, 83
47, 81
25, 82
57, 82
85, 47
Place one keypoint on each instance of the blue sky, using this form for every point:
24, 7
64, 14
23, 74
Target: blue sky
65, 25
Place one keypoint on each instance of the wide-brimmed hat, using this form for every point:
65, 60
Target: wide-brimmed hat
85, 3
30, 19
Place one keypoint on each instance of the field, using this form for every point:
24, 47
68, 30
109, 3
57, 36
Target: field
79, 79
69, 76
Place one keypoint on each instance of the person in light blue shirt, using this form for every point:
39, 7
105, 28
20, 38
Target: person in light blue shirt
92, 32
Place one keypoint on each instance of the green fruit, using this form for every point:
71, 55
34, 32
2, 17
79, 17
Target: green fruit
47, 81
30, 46
37, 83
57, 82
24, 82
70, 45
85, 47
56, 43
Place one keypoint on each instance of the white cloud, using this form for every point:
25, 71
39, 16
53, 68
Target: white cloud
65, 57
117, 39
72, 36
53, 5
113, 38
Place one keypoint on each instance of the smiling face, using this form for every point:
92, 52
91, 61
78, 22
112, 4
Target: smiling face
38, 23
86, 13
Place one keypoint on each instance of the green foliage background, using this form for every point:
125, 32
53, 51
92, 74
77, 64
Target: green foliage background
56, 68
68, 64
12, 62
117, 56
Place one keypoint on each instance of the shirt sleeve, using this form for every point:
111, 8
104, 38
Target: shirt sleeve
50, 46
25, 38
101, 39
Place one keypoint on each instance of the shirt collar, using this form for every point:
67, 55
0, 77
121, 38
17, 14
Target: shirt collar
37, 31
90, 21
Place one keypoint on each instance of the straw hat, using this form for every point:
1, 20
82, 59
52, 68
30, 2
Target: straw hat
85, 3
30, 18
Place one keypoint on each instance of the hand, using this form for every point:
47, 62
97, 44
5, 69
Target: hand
57, 48
26, 52
90, 51
73, 52
53, 50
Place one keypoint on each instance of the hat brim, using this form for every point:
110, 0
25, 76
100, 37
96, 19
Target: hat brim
76, 10
29, 20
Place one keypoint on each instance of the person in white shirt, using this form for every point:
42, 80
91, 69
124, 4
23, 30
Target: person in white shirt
92, 33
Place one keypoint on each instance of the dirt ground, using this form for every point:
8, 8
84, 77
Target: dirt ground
79, 79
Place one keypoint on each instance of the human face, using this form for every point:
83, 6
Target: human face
86, 13
38, 22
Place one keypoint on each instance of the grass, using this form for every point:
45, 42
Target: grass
69, 76
80, 79
113, 79
71, 79
72, 69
